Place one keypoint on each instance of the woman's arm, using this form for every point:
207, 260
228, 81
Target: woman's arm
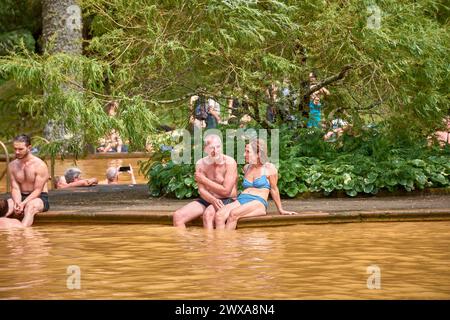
325, 91
274, 192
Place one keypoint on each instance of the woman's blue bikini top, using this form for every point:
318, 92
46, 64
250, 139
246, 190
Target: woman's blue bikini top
260, 183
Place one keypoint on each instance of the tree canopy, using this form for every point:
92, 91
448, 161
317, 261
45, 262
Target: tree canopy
152, 55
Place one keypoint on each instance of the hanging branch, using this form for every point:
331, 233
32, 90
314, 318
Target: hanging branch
328, 80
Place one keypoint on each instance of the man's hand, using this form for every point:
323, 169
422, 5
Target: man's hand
92, 181
18, 208
199, 177
217, 204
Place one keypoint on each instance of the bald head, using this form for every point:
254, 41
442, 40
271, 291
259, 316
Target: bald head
212, 138
213, 146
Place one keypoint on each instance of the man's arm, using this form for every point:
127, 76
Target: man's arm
325, 91
205, 194
39, 182
79, 183
214, 113
133, 179
15, 188
224, 189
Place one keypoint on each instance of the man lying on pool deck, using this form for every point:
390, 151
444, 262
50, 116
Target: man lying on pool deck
72, 178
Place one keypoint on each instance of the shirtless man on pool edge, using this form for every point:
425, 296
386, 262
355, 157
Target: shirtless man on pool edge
29, 177
219, 168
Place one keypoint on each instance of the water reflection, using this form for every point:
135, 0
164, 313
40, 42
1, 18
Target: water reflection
23, 258
298, 262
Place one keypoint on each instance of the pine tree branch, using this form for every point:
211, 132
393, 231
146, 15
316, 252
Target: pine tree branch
328, 80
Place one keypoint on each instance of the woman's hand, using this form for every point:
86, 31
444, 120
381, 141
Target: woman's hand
285, 212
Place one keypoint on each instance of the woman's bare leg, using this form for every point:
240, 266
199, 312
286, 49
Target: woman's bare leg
251, 209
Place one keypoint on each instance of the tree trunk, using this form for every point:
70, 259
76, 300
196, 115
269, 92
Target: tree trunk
61, 32
62, 26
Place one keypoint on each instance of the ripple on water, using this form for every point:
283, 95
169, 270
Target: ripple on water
295, 262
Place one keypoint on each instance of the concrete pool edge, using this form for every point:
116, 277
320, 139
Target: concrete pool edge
270, 220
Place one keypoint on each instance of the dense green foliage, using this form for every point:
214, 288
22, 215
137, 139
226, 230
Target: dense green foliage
20, 25
363, 164
151, 55
366, 163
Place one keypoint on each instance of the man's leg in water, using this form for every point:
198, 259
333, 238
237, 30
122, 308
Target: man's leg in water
208, 217
31, 208
223, 213
187, 213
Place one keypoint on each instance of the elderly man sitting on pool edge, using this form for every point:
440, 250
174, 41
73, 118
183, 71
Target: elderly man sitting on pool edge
220, 171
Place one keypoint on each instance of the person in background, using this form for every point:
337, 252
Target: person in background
338, 127
112, 142
272, 100
213, 119
113, 172
443, 136
198, 110
72, 178
315, 113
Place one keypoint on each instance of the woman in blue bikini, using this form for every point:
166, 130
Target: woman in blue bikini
260, 179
